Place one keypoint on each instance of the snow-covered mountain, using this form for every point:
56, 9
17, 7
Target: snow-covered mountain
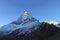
24, 21
37, 32
27, 27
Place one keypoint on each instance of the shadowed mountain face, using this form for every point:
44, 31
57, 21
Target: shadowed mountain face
55, 37
28, 28
43, 32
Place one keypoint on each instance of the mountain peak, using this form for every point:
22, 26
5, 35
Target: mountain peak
25, 13
25, 18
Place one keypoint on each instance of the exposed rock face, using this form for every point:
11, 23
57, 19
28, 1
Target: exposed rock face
43, 32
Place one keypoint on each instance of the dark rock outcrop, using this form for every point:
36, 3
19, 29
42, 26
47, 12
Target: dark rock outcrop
43, 32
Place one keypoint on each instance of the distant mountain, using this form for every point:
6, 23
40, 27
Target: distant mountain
28, 28
25, 20
58, 25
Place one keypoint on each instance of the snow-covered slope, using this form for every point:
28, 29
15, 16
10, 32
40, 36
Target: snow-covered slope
25, 20
36, 32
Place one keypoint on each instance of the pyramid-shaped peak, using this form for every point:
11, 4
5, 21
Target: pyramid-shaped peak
25, 18
25, 13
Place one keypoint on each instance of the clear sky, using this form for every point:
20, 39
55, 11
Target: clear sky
10, 10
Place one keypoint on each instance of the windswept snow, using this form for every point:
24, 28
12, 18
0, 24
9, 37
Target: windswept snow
25, 21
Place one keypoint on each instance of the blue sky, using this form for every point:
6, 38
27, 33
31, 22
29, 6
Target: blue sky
10, 10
